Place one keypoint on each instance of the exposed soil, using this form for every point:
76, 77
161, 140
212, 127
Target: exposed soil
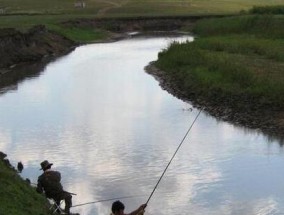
25, 54
142, 24
269, 120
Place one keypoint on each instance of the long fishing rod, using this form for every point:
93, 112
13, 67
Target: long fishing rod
174, 155
126, 197
106, 200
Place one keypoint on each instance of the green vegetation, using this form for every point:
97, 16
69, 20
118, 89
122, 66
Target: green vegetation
238, 57
133, 7
53, 22
83, 34
24, 15
17, 197
278, 9
269, 26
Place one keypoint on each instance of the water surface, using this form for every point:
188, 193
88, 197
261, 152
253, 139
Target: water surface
111, 130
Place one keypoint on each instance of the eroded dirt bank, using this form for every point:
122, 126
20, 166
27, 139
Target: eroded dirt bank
152, 24
269, 120
17, 47
25, 54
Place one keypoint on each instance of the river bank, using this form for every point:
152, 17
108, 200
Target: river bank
17, 197
26, 54
265, 120
100, 150
233, 69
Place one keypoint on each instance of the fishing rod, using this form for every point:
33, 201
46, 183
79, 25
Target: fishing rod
106, 200
174, 155
127, 197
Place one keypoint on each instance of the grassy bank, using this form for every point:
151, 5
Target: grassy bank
16, 14
17, 197
241, 57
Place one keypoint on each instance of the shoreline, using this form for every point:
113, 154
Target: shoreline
33, 50
264, 121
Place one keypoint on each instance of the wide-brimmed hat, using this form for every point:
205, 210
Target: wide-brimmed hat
45, 165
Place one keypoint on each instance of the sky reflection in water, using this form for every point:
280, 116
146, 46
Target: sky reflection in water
111, 130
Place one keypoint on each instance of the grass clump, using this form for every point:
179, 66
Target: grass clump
18, 197
277, 9
259, 25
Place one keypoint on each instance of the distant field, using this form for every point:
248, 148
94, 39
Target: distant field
23, 14
131, 7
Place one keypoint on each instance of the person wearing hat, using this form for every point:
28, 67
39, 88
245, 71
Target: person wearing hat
117, 208
49, 183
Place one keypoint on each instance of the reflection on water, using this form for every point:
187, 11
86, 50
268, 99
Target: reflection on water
111, 130
10, 78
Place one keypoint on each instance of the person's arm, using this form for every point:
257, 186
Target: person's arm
138, 210
39, 187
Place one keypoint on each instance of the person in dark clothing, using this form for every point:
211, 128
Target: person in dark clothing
49, 183
117, 208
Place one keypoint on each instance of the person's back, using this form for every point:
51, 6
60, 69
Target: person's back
49, 181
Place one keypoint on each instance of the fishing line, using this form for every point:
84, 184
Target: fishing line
127, 197
106, 200
174, 155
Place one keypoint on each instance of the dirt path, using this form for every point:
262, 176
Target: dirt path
101, 13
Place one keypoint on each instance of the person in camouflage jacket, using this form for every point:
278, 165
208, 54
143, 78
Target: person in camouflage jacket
49, 183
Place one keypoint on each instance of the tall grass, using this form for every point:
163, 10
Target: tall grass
277, 9
245, 45
259, 25
240, 60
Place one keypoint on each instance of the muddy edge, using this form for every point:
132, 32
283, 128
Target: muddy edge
250, 116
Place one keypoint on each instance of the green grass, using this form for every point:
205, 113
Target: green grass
262, 25
53, 22
17, 197
277, 9
246, 45
231, 63
83, 34
133, 7
187, 7
24, 15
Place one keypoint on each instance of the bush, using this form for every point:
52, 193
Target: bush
267, 10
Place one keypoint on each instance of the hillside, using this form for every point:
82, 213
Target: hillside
17, 197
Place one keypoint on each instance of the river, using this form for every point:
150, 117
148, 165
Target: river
110, 130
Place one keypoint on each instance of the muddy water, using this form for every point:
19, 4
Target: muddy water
110, 130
